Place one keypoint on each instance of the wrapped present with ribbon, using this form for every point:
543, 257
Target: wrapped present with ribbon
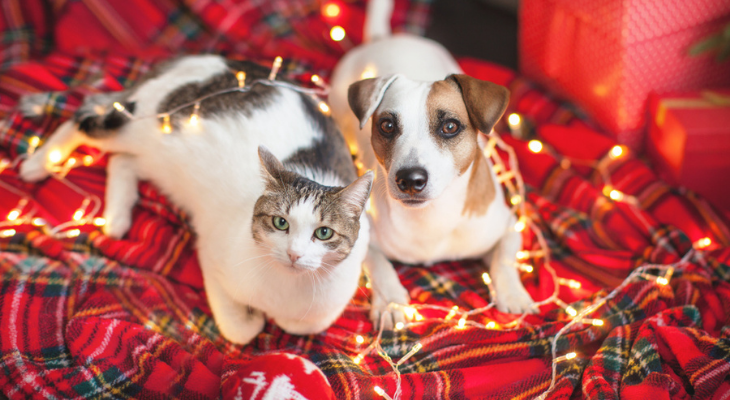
607, 56
689, 142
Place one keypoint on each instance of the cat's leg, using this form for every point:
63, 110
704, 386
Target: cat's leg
237, 322
121, 194
307, 327
55, 150
386, 289
511, 296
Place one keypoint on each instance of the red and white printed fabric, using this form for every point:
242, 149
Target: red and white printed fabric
608, 55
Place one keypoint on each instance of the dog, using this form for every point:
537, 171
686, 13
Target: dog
420, 123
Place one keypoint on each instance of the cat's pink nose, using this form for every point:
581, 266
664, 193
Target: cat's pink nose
293, 256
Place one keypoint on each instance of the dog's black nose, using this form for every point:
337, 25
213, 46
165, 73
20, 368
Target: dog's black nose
411, 180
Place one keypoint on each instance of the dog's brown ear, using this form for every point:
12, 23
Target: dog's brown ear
485, 101
365, 96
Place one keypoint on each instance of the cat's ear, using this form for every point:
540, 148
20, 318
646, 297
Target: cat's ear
271, 167
355, 196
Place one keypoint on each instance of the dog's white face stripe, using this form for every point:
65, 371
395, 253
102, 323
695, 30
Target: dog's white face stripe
414, 146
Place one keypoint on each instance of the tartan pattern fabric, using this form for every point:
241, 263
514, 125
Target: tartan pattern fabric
90, 316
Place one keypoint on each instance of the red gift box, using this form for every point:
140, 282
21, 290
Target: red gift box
608, 55
689, 142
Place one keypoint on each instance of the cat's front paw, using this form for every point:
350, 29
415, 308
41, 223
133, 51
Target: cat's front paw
379, 305
35, 168
117, 223
242, 328
511, 297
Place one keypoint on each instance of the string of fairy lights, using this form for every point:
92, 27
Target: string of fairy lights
508, 175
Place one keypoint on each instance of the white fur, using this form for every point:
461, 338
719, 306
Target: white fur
213, 172
437, 230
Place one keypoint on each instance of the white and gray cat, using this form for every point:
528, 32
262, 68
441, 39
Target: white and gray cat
288, 246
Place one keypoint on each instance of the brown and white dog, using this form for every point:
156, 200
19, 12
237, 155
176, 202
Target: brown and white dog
420, 125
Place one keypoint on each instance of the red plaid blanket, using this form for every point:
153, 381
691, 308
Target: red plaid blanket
89, 316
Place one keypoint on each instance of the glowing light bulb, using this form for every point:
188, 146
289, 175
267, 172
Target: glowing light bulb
703, 243
491, 325
662, 280
55, 156
324, 108
70, 162
39, 222
523, 255
4, 163
486, 278
73, 233
410, 312
331, 10
572, 283
13, 214
99, 221
118, 106
597, 322
526, 267
607, 190
453, 311
571, 311
241, 77
418, 316
399, 326
379, 390
515, 200
616, 195
194, 118
166, 127
337, 33
360, 339
368, 73
78, 215
87, 160
275, 68
461, 324
33, 142
514, 119
7, 233
568, 356
520, 225
535, 146
616, 152
357, 359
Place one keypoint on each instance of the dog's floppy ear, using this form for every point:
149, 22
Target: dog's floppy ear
364, 96
485, 101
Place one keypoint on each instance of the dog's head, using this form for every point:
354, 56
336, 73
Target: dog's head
424, 134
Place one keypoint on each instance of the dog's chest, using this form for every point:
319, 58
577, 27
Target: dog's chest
439, 232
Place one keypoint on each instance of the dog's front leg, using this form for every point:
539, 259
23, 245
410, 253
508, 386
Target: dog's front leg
511, 296
386, 289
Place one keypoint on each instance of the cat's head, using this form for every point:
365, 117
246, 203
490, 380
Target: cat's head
304, 225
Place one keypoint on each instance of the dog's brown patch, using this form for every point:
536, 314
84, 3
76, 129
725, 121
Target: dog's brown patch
382, 144
444, 103
480, 193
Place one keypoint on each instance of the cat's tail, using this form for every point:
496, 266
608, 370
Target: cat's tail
377, 21
99, 115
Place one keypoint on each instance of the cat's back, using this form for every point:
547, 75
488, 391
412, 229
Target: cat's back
221, 148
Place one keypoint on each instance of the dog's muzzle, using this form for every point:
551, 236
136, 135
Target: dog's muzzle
411, 180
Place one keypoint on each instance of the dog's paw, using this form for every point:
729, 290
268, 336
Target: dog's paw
380, 310
241, 327
35, 167
514, 299
117, 223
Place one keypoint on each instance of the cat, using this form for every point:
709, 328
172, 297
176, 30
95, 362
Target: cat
283, 240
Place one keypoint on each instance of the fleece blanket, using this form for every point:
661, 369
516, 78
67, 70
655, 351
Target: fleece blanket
86, 316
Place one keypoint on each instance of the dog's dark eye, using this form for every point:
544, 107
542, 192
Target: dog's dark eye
387, 127
450, 128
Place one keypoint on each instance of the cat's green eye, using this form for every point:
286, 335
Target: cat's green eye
323, 233
280, 223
